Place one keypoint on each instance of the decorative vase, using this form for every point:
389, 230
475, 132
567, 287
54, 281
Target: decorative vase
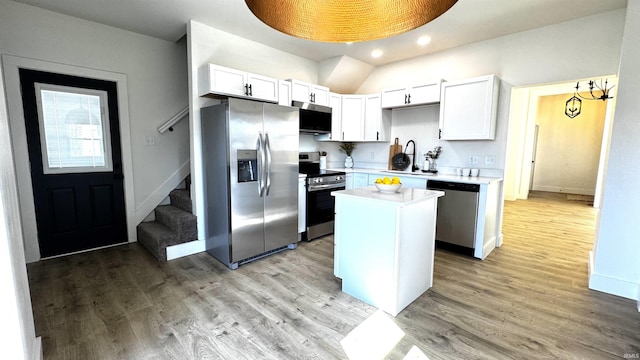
433, 165
348, 162
426, 166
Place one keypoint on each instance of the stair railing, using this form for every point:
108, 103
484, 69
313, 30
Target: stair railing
174, 120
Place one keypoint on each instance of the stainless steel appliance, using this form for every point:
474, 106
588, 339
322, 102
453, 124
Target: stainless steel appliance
250, 159
314, 118
320, 204
457, 215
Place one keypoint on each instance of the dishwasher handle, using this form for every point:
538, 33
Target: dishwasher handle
450, 185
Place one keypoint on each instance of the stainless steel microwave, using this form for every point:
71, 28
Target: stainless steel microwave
314, 118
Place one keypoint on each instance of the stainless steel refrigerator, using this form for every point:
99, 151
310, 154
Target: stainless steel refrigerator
250, 158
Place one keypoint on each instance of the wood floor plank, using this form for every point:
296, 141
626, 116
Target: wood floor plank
528, 299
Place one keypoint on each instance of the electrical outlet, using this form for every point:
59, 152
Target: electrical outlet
149, 141
473, 159
489, 160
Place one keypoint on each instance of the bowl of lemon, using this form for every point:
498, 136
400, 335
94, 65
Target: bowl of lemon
388, 185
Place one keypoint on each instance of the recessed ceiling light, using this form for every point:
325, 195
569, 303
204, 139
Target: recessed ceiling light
376, 53
424, 40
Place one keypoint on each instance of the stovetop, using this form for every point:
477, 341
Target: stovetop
309, 164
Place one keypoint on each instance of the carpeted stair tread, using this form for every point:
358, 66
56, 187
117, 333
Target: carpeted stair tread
155, 237
178, 220
182, 199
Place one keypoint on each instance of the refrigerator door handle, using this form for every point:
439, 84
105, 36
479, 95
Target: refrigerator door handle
267, 148
261, 164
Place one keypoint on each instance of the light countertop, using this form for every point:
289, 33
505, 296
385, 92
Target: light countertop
427, 176
403, 196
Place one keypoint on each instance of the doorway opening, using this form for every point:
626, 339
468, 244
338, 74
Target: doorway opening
537, 116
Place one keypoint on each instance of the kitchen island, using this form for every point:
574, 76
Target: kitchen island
384, 244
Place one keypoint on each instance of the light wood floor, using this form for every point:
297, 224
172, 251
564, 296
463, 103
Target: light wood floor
529, 299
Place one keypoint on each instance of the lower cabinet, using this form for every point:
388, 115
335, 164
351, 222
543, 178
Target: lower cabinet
302, 205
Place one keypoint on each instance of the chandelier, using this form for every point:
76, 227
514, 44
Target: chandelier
347, 20
573, 106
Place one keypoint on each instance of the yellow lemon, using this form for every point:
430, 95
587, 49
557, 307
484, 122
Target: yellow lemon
379, 181
386, 180
395, 180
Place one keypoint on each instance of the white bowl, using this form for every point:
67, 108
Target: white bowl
390, 188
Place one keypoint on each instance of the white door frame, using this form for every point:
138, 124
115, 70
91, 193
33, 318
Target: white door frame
10, 66
520, 142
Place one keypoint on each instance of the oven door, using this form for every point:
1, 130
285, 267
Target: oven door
321, 209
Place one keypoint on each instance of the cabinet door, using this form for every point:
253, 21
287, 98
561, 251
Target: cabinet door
321, 95
284, 93
413, 182
353, 107
223, 80
468, 109
302, 205
372, 125
394, 98
263, 87
336, 116
425, 93
301, 91
348, 178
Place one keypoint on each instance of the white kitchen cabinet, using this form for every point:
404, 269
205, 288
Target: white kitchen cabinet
221, 80
422, 94
353, 110
360, 180
335, 101
307, 92
468, 108
284, 93
377, 121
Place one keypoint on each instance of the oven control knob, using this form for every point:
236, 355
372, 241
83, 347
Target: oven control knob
317, 180
339, 178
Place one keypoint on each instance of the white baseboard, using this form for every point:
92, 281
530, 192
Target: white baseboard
37, 349
185, 249
564, 190
611, 285
146, 207
487, 248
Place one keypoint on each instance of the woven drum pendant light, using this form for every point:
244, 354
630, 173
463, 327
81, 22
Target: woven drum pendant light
347, 20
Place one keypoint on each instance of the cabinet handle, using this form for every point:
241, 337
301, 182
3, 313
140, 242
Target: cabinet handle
409, 99
343, 135
250, 90
440, 134
246, 89
377, 135
405, 98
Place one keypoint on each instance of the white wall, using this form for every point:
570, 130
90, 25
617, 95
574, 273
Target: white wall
156, 77
532, 57
209, 45
568, 150
616, 253
17, 331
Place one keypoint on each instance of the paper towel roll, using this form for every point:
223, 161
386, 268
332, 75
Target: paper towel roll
323, 162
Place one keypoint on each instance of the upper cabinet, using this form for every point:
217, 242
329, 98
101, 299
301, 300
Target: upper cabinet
335, 101
284, 93
427, 93
307, 92
220, 80
468, 108
353, 108
377, 121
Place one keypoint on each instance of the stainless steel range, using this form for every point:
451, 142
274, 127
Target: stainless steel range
320, 209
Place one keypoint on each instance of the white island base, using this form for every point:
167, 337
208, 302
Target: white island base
384, 245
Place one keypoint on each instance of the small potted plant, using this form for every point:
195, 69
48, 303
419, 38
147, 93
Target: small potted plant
431, 159
347, 148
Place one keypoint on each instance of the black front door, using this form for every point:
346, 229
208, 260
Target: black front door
73, 139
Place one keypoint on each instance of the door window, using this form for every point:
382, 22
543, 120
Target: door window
73, 129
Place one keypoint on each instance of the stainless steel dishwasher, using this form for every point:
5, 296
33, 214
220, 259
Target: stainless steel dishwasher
457, 214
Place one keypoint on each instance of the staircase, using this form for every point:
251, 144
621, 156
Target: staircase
174, 224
